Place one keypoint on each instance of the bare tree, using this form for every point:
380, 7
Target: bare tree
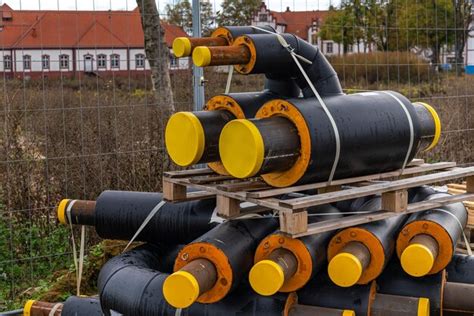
162, 107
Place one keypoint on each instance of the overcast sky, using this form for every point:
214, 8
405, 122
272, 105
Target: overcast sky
277, 5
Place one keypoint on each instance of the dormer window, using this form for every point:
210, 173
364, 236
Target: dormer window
7, 16
263, 17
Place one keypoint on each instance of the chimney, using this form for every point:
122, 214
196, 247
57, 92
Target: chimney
287, 9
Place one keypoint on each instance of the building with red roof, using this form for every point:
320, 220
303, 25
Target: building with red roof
305, 24
68, 42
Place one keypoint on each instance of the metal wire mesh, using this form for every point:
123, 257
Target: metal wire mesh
76, 133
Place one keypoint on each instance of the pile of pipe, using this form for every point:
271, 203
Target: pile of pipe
301, 127
191, 262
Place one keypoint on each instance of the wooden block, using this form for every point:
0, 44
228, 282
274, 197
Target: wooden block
294, 222
457, 186
395, 201
470, 184
173, 191
456, 191
227, 207
331, 188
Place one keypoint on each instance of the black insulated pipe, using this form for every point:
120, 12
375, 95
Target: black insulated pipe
193, 137
229, 247
82, 306
358, 255
131, 283
427, 241
375, 138
119, 214
461, 269
271, 58
286, 264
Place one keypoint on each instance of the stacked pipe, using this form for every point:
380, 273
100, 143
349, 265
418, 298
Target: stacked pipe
335, 273
193, 265
280, 138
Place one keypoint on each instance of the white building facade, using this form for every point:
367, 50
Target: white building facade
93, 43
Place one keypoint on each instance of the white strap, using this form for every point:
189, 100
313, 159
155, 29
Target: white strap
81, 259
295, 57
145, 222
412, 130
78, 262
55, 308
229, 79
466, 241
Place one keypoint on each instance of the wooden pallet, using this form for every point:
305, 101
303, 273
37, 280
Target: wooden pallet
293, 215
455, 188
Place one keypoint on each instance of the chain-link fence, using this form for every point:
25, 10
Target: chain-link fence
79, 114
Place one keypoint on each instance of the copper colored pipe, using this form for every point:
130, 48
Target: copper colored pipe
221, 55
39, 308
458, 297
286, 260
205, 273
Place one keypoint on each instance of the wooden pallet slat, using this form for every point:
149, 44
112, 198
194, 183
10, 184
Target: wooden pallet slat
354, 220
293, 215
187, 173
331, 197
409, 170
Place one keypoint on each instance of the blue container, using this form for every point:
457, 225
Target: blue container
470, 70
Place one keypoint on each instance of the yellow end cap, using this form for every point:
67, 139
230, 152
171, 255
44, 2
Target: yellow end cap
266, 277
417, 260
181, 289
348, 312
184, 138
182, 47
437, 123
345, 269
61, 211
241, 148
423, 307
202, 56
27, 307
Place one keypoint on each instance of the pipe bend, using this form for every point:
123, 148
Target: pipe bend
131, 283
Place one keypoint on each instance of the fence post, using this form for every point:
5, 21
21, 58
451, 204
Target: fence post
198, 73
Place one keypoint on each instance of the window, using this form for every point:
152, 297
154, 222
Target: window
173, 61
349, 48
64, 61
329, 48
263, 17
26, 62
139, 61
114, 61
101, 61
45, 61
7, 62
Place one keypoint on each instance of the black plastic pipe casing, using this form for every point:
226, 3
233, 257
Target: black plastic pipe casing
82, 306
131, 283
236, 31
320, 291
242, 302
274, 60
461, 269
447, 216
385, 230
238, 239
395, 281
375, 137
119, 214
317, 243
